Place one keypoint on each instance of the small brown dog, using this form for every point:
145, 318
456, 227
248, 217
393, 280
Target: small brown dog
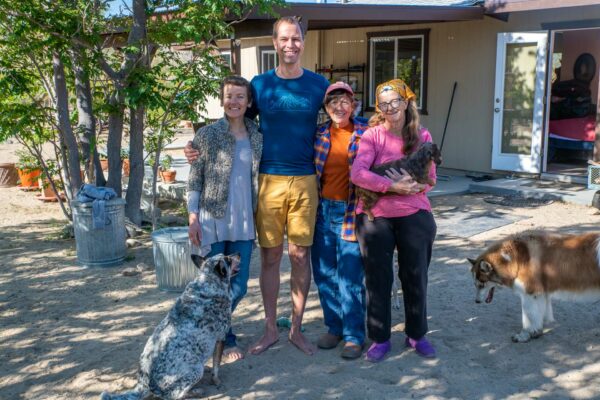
417, 164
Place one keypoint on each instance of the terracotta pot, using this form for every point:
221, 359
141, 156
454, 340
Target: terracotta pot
29, 177
8, 175
126, 167
104, 164
168, 176
46, 189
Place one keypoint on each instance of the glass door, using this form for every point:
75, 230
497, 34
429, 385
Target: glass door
518, 102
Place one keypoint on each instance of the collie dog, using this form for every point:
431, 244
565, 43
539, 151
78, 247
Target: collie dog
538, 266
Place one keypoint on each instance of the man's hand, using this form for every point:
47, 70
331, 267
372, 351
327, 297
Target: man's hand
190, 153
403, 183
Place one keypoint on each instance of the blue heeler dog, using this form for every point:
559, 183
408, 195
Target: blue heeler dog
173, 360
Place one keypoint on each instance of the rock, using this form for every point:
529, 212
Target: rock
147, 215
133, 243
143, 267
132, 229
130, 271
169, 219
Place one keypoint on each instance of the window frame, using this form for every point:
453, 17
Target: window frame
422, 33
262, 50
228, 53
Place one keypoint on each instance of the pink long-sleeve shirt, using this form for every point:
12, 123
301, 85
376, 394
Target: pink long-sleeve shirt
378, 146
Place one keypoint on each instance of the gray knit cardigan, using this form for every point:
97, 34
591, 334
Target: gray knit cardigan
210, 173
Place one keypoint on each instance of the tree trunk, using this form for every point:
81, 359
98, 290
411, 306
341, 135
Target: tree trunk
136, 161
137, 36
62, 101
113, 144
85, 113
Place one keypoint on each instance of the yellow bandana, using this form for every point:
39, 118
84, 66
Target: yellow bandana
398, 86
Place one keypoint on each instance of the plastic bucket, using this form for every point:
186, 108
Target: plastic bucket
172, 260
104, 247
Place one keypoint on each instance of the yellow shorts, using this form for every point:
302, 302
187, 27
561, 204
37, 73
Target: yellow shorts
286, 203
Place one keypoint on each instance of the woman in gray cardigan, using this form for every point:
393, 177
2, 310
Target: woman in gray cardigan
222, 189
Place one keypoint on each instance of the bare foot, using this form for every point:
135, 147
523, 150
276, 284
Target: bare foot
233, 354
300, 341
267, 340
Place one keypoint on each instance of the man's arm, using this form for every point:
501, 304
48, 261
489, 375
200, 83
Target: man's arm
252, 111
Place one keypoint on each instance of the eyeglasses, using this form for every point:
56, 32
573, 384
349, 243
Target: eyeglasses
344, 103
390, 104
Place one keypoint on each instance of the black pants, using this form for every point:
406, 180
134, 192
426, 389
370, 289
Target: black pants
413, 237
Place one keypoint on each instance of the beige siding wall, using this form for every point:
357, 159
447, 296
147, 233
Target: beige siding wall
464, 52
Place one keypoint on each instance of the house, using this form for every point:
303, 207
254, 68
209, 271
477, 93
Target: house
521, 75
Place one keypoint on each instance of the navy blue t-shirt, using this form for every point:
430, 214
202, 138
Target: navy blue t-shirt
288, 110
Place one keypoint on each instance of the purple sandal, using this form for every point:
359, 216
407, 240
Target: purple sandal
378, 351
421, 346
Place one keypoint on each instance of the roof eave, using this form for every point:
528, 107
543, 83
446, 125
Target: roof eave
340, 15
493, 7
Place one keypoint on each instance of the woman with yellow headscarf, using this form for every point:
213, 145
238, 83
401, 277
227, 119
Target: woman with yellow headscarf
403, 220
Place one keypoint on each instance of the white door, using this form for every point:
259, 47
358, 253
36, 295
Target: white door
518, 102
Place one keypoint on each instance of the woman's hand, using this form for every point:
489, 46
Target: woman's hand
195, 230
403, 183
190, 153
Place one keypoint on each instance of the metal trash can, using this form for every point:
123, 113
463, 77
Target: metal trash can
100, 247
172, 260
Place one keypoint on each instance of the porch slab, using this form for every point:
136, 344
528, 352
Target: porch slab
455, 185
535, 188
450, 184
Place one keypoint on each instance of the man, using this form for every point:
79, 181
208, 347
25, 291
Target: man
287, 100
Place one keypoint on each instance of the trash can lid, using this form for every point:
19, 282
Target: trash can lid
173, 234
117, 201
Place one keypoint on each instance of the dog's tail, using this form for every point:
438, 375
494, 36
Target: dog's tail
136, 394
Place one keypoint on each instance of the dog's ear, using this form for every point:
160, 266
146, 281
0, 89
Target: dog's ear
437, 155
221, 268
471, 261
234, 260
485, 267
197, 260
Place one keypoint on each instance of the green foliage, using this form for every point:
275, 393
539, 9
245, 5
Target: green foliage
166, 162
53, 169
125, 72
27, 161
151, 159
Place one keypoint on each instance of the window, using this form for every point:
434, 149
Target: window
226, 56
268, 59
401, 55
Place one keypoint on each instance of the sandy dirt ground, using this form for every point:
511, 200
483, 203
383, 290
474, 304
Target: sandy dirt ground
69, 333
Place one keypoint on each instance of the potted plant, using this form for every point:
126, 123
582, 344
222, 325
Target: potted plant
29, 170
47, 192
103, 161
167, 174
125, 161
